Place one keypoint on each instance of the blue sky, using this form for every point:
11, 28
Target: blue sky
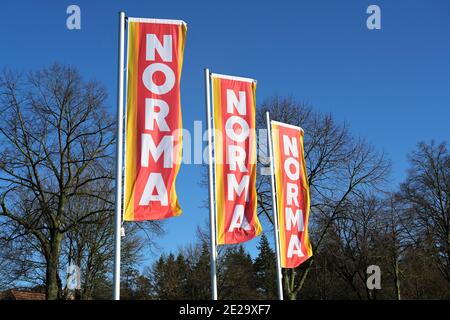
391, 86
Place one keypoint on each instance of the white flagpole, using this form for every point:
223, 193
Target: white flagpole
119, 159
274, 210
211, 188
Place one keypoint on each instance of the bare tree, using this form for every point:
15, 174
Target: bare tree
90, 246
426, 196
56, 143
16, 258
394, 238
339, 166
356, 233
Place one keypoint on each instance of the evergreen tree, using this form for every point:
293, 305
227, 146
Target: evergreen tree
199, 280
237, 278
181, 272
143, 288
158, 277
127, 283
265, 270
169, 277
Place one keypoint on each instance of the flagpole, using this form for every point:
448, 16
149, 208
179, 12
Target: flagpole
119, 159
211, 188
274, 210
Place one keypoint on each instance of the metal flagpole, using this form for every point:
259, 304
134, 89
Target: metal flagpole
211, 188
119, 159
274, 210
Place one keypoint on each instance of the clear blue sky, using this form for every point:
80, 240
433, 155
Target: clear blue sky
391, 86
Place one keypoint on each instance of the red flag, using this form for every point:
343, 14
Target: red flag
153, 131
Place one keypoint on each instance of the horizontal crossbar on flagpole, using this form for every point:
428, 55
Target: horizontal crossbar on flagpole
224, 76
287, 125
162, 21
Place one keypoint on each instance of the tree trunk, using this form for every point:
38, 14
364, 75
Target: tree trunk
53, 283
397, 280
292, 296
289, 284
288, 289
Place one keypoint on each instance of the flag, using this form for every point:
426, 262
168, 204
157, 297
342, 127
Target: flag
153, 118
234, 105
292, 189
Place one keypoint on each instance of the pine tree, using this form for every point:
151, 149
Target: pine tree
181, 272
143, 288
265, 270
199, 281
127, 284
169, 277
238, 281
157, 275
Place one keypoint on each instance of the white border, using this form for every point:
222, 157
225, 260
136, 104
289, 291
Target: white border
287, 125
163, 21
223, 76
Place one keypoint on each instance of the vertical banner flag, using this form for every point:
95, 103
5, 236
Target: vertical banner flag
234, 106
292, 188
153, 129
